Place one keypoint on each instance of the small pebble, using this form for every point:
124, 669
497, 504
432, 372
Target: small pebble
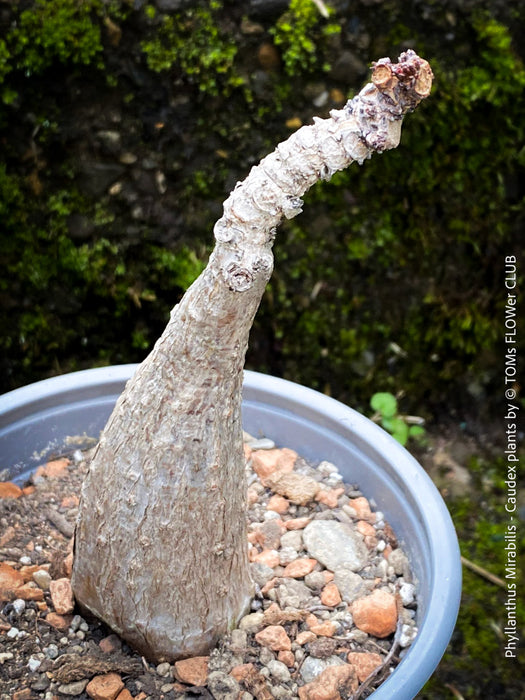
51, 651
76, 622
262, 444
407, 636
42, 579
74, 688
407, 593
19, 606
279, 671
163, 670
33, 664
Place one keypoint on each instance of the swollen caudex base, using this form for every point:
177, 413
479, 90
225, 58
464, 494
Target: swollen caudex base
370, 122
169, 469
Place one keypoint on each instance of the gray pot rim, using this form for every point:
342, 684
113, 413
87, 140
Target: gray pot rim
296, 417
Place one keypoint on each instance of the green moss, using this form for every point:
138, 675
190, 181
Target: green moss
64, 30
498, 73
300, 34
192, 43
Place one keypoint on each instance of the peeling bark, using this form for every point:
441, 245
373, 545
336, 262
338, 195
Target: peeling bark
161, 548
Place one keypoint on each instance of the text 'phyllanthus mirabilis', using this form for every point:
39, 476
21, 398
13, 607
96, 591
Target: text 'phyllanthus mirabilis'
161, 542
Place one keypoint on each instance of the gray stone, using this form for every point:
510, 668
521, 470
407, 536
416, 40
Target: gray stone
279, 671
163, 669
75, 688
51, 651
266, 656
292, 538
223, 686
315, 581
351, 586
252, 623
399, 561
261, 573
293, 594
287, 555
335, 544
41, 682
312, 666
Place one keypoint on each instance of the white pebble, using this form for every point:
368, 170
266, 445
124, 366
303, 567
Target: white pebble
25, 561
262, 444
271, 515
33, 664
407, 636
279, 671
326, 468
407, 593
287, 555
13, 633
19, 606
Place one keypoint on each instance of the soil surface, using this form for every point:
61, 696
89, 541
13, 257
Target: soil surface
307, 627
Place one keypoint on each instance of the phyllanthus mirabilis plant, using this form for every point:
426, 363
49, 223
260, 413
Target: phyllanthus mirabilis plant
161, 542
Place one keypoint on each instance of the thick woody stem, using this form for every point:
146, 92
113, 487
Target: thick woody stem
161, 547
370, 122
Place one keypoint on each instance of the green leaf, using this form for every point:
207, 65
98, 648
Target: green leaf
385, 403
397, 428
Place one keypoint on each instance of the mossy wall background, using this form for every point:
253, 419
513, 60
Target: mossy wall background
124, 125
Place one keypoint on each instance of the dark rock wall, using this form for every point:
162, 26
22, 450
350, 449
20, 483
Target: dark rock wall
124, 125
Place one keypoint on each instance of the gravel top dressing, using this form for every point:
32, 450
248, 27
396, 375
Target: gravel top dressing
333, 608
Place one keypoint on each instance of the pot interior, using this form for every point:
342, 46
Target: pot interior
55, 416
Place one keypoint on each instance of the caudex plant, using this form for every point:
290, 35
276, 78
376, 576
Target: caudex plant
161, 542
